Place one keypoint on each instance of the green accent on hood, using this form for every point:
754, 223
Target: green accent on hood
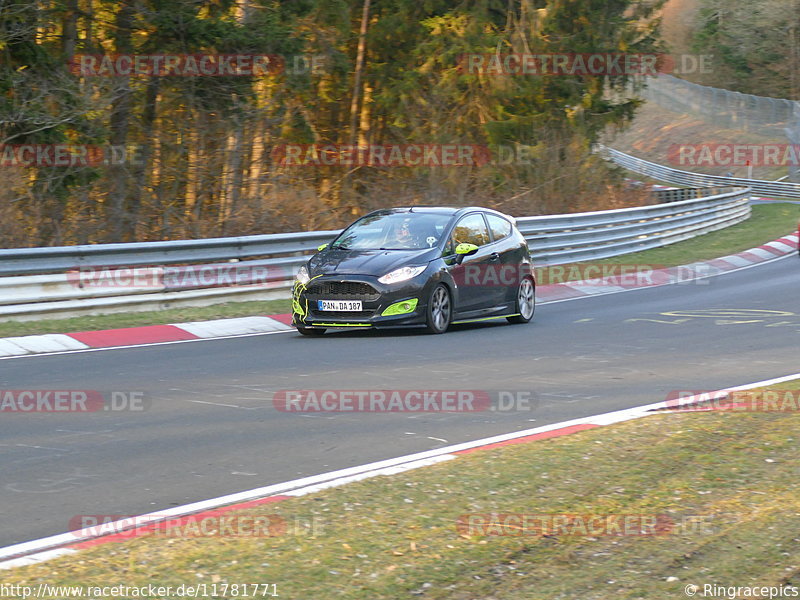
401, 308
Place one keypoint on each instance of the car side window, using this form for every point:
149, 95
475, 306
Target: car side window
499, 226
449, 248
471, 230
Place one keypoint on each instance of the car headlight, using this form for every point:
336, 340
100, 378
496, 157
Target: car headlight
302, 276
401, 274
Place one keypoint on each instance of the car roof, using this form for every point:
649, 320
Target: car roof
445, 210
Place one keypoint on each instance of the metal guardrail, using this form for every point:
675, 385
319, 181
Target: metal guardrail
687, 178
603, 234
677, 194
51, 281
27, 261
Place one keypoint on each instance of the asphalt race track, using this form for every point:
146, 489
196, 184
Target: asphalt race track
212, 428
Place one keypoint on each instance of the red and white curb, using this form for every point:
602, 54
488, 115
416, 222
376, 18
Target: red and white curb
133, 336
42, 550
179, 332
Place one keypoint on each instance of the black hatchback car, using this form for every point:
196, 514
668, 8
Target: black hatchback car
417, 266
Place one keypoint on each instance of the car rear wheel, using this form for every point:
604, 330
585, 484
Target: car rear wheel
526, 302
309, 330
440, 309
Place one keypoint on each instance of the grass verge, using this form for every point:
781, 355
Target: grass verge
728, 480
768, 222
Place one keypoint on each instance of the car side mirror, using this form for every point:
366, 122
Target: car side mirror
322, 247
463, 250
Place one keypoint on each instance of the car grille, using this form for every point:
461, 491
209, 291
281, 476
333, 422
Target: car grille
343, 290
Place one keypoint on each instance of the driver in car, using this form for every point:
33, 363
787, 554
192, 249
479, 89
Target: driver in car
402, 235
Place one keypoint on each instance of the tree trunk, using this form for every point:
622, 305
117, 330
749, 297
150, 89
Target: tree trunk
362, 49
120, 226
143, 155
69, 29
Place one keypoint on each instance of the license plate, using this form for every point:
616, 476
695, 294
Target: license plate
340, 305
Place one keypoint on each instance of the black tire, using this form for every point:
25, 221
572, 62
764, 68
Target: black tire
440, 309
526, 302
309, 331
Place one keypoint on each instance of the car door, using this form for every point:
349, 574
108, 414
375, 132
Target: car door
473, 272
510, 267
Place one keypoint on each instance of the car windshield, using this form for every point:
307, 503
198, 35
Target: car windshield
394, 231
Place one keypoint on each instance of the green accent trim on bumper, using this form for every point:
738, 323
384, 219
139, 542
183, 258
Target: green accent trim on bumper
297, 289
401, 308
486, 318
340, 325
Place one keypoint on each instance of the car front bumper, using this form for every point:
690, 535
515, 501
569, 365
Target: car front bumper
305, 311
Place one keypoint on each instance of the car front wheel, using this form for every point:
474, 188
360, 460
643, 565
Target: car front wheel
440, 309
526, 302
